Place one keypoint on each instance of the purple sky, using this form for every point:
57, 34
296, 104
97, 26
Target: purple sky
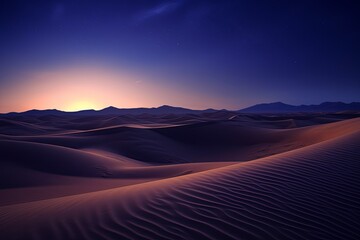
199, 54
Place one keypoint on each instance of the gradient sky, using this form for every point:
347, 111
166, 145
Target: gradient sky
75, 54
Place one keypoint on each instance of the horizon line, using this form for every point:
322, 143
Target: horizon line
166, 105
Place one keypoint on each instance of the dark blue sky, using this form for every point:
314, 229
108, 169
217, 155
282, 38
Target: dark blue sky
237, 53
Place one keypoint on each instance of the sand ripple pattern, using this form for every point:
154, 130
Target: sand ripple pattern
309, 193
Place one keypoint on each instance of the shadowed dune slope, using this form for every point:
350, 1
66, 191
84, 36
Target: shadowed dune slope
308, 193
26, 164
200, 142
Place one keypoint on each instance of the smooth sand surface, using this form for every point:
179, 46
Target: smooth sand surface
180, 177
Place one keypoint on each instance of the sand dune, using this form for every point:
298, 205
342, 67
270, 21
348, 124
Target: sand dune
43, 159
224, 140
310, 193
302, 183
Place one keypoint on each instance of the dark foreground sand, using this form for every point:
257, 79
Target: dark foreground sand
210, 176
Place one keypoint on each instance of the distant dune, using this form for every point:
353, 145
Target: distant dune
205, 175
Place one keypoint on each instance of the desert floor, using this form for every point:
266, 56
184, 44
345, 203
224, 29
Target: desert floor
214, 176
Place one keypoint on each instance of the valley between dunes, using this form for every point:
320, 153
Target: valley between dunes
191, 176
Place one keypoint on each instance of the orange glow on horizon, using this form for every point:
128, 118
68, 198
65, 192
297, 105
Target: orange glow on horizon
81, 105
80, 88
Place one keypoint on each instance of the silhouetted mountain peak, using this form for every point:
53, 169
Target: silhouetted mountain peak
279, 107
279, 104
166, 106
110, 108
275, 107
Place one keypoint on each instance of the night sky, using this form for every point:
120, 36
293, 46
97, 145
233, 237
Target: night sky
74, 54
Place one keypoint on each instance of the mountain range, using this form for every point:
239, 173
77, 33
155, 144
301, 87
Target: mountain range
276, 107
165, 109
279, 107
